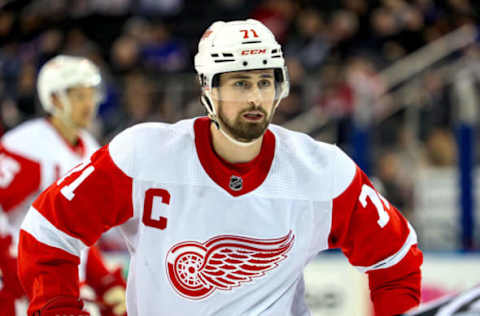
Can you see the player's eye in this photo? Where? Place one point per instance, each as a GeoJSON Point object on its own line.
{"type": "Point", "coordinates": [264, 83]}
{"type": "Point", "coordinates": [241, 84]}
{"type": "Point", "coordinates": [79, 96]}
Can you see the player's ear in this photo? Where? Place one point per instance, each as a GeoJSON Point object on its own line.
{"type": "Point", "coordinates": [56, 101]}
{"type": "Point", "coordinates": [214, 94]}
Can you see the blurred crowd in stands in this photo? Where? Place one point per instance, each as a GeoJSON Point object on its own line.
{"type": "Point", "coordinates": [335, 50]}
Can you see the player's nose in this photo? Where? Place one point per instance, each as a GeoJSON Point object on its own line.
{"type": "Point", "coordinates": [255, 97]}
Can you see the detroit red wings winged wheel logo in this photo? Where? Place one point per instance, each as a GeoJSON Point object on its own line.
{"type": "Point", "coordinates": [197, 269]}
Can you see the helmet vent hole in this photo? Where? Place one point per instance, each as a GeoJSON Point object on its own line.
{"type": "Point", "coordinates": [227, 55]}
{"type": "Point", "coordinates": [251, 42]}
{"type": "Point", "coordinates": [214, 55]}
{"type": "Point", "coordinates": [274, 51]}
{"type": "Point", "coordinates": [264, 61]}
{"type": "Point", "coordinates": [245, 63]}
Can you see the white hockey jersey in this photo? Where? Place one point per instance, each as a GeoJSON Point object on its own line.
{"type": "Point", "coordinates": [32, 156]}
{"type": "Point", "coordinates": [211, 238]}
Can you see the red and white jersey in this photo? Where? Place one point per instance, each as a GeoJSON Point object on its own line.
{"type": "Point", "coordinates": [32, 156]}
{"type": "Point", "coordinates": [211, 238]}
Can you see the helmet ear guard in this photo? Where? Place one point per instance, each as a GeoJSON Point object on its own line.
{"type": "Point", "coordinates": [206, 100]}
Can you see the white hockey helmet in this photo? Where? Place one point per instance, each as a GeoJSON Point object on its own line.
{"type": "Point", "coordinates": [63, 72]}
{"type": "Point", "coordinates": [238, 46]}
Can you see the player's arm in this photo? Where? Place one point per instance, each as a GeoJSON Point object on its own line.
{"type": "Point", "coordinates": [69, 216]}
{"type": "Point", "coordinates": [19, 178]}
{"type": "Point", "coordinates": [10, 288]}
{"type": "Point", "coordinates": [377, 240]}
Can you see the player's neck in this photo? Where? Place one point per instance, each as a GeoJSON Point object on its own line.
{"type": "Point", "coordinates": [232, 152]}
{"type": "Point", "coordinates": [68, 132]}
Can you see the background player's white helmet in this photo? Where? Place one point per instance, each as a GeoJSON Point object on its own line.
{"type": "Point", "coordinates": [238, 46]}
{"type": "Point", "coordinates": [63, 72]}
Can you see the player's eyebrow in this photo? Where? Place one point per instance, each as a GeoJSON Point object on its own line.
{"type": "Point", "coordinates": [241, 76]}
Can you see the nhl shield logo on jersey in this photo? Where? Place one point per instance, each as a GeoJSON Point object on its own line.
{"type": "Point", "coordinates": [196, 270]}
{"type": "Point", "coordinates": [236, 183]}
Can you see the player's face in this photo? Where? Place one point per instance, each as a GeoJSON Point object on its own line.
{"type": "Point", "coordinates": [83, 105]}
{"type": "Point", "coordinates": [245, 102]}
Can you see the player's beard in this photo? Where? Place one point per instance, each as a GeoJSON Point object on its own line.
{"type": "Point", "coordinates": [245, 131]}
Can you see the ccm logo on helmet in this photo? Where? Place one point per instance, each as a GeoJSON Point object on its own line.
{"type": "Point", "coordinates": [254, 51]}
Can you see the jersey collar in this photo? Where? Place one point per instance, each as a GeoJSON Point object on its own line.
{"type": "Point", "coordinates": [78, 149]}
{"type": "Point", "coordinates": [236, 179]}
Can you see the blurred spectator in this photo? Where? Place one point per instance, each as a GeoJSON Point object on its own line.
{"type": "Point", "coordinates": [111, 7]}
{"type": "Point", "coordinates": [163, 52]}
{"type": "Point", "coordinates": [7, 20]}
{"type": "Point", "coordinates": [434, 104]}
{"type": "Point", "coordinates": [49, 45]}
{"type": "Point", "coordinates": [462, 7]}
{"type": "Point", "coordinates": [428, 9]}
{"type": "Point", "coordinates": [367, 88]}
{"type": "Point", "coordinates": [336, 102]}
{"type": "Point", "coordinates": [160, 7]}
{"type": "Point", "coordinates": [124, 55]}
{"type": "Point", "coordinates": [412, 23]}
{"type": "Point", "coordinates": [397, 188]}
{"type": "Point", "coordinates": [277, 15]}
{"type": "Point", "coordinates": [384, 28]}
{"type": "Point", "coordinates": [26, 91]}
{"type": "Point", "coordinates": [309, 44]}
{"type": "Point", "coordinates": [139, 104]}
{"type": "Point", "coordinates": [440, 149]}
{"type": "Point", "coordinates": [77, 43]}
{"type": "Point", "coordinates": [342, 28]}
{"type": "Point", "coordinates": [10, 66]}
{"type": "Point", "coordinates": [138, 28]}
{"type": "Point", "coordinates": [361, 8]}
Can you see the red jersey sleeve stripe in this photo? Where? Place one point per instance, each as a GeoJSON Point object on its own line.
{"type": "Point", "coordinates": [43, 231]}
{"type": "Point", "coordinates": [395, 258]}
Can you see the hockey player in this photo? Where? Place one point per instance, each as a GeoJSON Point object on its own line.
{"type": "Point", "coordinates": [37, 153]}
{"type": "Point", "coordinates": [227, 209]}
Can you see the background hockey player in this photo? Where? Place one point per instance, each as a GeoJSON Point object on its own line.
{"type": "Point", "coordinates": [227, 209]}
{"type": "Point", "coordinates": [38, 152]}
